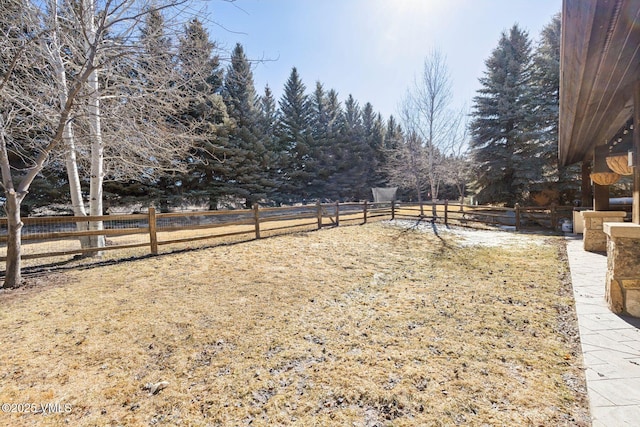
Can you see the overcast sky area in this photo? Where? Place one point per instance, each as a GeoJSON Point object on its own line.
{"type": "Point", "coordinates": [372, 49]}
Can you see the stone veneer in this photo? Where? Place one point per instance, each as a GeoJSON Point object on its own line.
{"type": "Point", "coordinates": [623, 268]}
{"type": "Point", "coordinates": [595, 240]}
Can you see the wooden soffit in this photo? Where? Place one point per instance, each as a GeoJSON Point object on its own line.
{"type": "Point", "coordinates": [599, 64]}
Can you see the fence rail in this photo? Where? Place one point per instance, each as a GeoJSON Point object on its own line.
{"type": "Point", "coordinates": [45, 237]}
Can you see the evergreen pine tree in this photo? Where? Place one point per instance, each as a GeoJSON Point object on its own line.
{"type": "Point", "coordinates": [393, 135]}
{"type": "Point", "coordinates": [157, 45]}
{"type": "Point", "coordinates": [546, 89]}
{"type": "Point", "coordinates": [374, 138]}
{"type": "Point", "coordinates": [319, 118]}
{"type": "Point", "coordinates": [274, 153]}
{"type": "Point", "coordinates": [334, 113]}
{"type": "Point", "coordinates": [318, 121]}
{"type": "Point", "coordinates": [328, 127]}
{"type": "Point", "coordinates": [393, 139]}
{"type": "Point", "coordinates": [503, 149]}
{"type": "Point", "coordinates": [247, 160]}
{"type": "Point", "coordinates": [239, 90]}
{"type": "Point", "coordinates": [268, 113]}
{"type": "Point", "coordinates": [352, 155]}
{"type": "Point", "coordinates": [295, 136]}
{"type": "Point", "coordinates": [325, 109]}
{"type": "Point", "coordinates": [157, 55]}
{"type": "Point", "coordinates": [199, 65]}
{"type": "Point", "coordinates": [377, 177]}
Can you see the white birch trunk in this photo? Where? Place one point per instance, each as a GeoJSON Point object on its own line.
{"type": "Point", "coordinates": [13, 275]}
{"type": "Point", "coordinates": [67, 135]}
{"type": "Point", "coordinates": [75, 190]}
{"type": "Point", "coordinates": [97, 160]}
{"type": "Point", "coordinates": [73, 175]}
{"type": "Point", "coordinates": [97, 148]}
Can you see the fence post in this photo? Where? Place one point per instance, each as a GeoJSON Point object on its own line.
{"type": "Point", "coordinates": [153, 236]}
{"type": "Point", "coordinates": [337, 214]}
{"type": "Point", "coordinates": [319, 206]}
{"type": "Point", "coordinates": [517, 216]}
{"type": "Point", "coordinates": [256, 219]}
{"type": "Point", "coordinates": [393, 210]}
{"type": "Point", "coordinates": [364, 211]}
{"type": "Point", "coordinates": [554, 217]}
{"type": "Point", "coordinates": [446, 212]}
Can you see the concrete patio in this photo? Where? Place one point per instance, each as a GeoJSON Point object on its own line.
{"type": "Point", "coordinates": [610, 343]}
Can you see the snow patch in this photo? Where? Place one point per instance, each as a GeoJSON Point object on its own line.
{"type": "Point", "coordinates": [471, 237]}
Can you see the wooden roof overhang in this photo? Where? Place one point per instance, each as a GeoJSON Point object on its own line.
{"type": "Point", "coordinates": [599, 66]}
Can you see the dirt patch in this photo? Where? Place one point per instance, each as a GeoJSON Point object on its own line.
{"type": "Point", "coordinates": [365, 326]}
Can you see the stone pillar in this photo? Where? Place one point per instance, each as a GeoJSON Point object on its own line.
{"type": "Point", "coordinates": [594, 239]}
{"type": "Point", "coordinates": [623, 268]}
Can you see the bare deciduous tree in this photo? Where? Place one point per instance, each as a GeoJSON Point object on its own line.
{"type": "Point", "coordinates": [457, 166]}
{"type": "Point", "coordinates": [407, 165]}
{"type": "Point", "coordinates": [56, 73]}
{"type": "Point", "coordinates": [53, 48]}
{"type": "Point", "coordinates": [426, 112]}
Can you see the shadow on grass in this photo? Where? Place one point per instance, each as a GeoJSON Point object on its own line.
{"type": "Point", "coordinates": [86, 263]}
{"type": "Point", "coordinates": [434, 227]}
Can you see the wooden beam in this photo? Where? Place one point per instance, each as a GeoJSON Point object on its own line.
{"type": "Point", "coordinates": [616, 52]}
{"type": "Point", "coordinates": [600, 197]}
{"type": "Point", "coordinates": [600, 192]}
{"type": "Point", "coordinates": [586, 193]}
{"type": "Point", "coordinates": [577, 23]}
{"type": "Point", "coordinates": [600, 61]}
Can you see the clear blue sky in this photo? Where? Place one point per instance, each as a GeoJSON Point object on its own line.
{"type": "Point", "coordinates": [372, 49]}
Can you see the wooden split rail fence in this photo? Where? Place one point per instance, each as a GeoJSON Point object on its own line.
{"type": "Point", "coordinates": [162, 228]}
{"type": "Point", "coordinates": [60, 235]}
{"type": "Point", "coordinates": [519, 217]}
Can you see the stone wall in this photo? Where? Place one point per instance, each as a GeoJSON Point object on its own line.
{"type": "Point", "coordinates": [623, 269]}
{"type": "Point", "coordinates": [595, 240]}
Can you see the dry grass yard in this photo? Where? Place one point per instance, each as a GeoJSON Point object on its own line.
{"type": "Point", "coordinates": [369, 325]}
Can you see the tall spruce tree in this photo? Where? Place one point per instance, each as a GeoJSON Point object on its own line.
{"type": "Point", "coordinates": [247, 160]}
{"type": "Point", "coordinates": [200, 67]}
{"type": "Point", "coordinates": [321, 138]}
{"type": "Point", "coordinates": [330, 142]}
{"type": "Point", "coordinates": [268, 114]}
{"type": "Point", "coordinates": [546, 102]}
{"type": "Point", "coordinates": [157, 62]}
{"type": "Point", "coordinates": [502, 145]}
{"type": "Point", "coordinates": [326, 124]}
{"type": "Point", "coordinates": [334, 112]}
{"type": "Point", "coordinates": [319, 118]}
{"type": "Point", "coordinates": [294, 131]}
{"type": "Point", "coordinates": [350, 179]}
{"type": "Point", "coordinates": [374, 131]}
{"type": "Point", "coordinates": [393, 136]}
